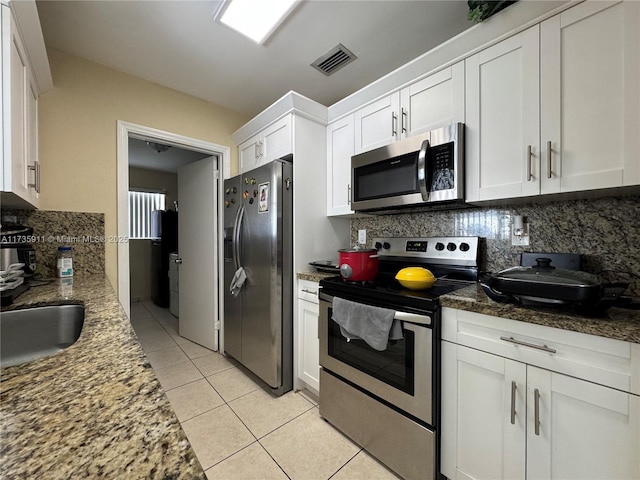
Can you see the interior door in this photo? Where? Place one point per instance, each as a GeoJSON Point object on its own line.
{"type": "Point", "coordinates": [197, 247]}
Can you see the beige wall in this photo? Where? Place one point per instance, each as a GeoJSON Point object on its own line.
{"type": "Point", "coordinates": [155, 180]}
{"type": "Point", "coordinates": [78, 134]}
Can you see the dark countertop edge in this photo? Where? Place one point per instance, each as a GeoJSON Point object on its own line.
{"type": "Point", "coordinates": [617, 324]}
{"type": "Point", "coordinates": [48, 384]}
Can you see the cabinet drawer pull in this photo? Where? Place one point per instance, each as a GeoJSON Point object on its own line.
{"type": "Point", "coordinates": [549, 159]}
{"type": "Point", "coordinates": [536, 411]}
{"type": "Point", "coordinates": [529, 154]}
{"type": "Point", "coordinates": [394, 124]}
{"type": "Point", "coordinates": [514, 387]}
{"type": "Point", "coordinates": [349, 194]}
{"type": "Point", "coordinates": [544, 348]}
{"type": "Point", "coordinates": [402, 121]}
{"type": "Point", "coordinates": [313, 292]}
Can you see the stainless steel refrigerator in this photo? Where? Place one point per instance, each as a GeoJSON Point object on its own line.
{"type": "Point", "coordinates": [258, 272]}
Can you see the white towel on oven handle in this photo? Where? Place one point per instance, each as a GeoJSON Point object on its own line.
{"type": "Point", "coordinates": [375, 325]}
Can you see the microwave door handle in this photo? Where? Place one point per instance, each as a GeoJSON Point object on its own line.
{"type": "Point", "coordinates": [423, 179]}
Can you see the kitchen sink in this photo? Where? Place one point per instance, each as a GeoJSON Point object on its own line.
{"type": "Point", "coordinates": [38, 332]}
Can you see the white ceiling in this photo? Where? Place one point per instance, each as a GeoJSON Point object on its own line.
{"type": "Point", "coordinates": [143, 156]}
{"type": "Point", "coordinates": [177, 44]}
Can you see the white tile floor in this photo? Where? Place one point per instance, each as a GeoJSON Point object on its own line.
{"type": "Point", "coordinates": [238, 430]}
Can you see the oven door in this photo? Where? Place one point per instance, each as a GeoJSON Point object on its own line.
{"type": "Point", "coordinates": [401, 375]}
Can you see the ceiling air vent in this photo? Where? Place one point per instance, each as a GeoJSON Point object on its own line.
{"type": "Point", "coordinates": [334, 60]}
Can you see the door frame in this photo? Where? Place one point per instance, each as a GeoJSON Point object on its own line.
{"type": "Point", "coordinates": [128, 130]}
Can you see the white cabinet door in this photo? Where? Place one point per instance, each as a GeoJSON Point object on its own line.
{"type": "Point", "coordinates": [31, 133]}
{"type": "Point", "coordinates": [340, 143]}
{"type": "Point", "coordinates": [249, 152]}
{"type": "Point", "coordinates": [502, 119]}
{"type": "Point", "coordinates": [585, 431]}
{"type": "Point", "coordinates": [377, 125]}
{"type": "Point", "coordinates": [433, 102]}
{"type": "Point", "coordinates": [277, 140]}
{"type": "Point", "coordinates": [481, 438]}
{"type": "Point", "coordinates": [309, 358]}
{"type": "Point", "coordinates": [590, 56]}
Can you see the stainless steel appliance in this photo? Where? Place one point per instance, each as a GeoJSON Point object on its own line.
{"type": "Point", "coordinates": [388, 401]}
{"type": "Point", "coordinates": [423, 170]}
{"type": "Point", "coordinates": [258, 272]}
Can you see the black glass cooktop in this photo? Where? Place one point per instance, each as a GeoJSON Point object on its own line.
{"type": "Point", "coordinates": [388, 293]}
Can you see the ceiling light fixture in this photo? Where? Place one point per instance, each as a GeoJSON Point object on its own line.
{"type": "Point", "coordinates": [158, 147]}
{"type": "Point", "coordinates": [256, 19]}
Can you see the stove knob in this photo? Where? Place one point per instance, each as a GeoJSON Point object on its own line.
{"type": "Point", "coordinates": [227, 191]}
{"type": "Point", "coordinates": [378, 245]}
{"type": "Point", "coordinates": [451, 246]}
{"type": "Point", "coordinates": [439, 246]}
{"type": "Point", "coordinates": [386, 245]}
{"type": "Point", "coordinates": [464, 247]}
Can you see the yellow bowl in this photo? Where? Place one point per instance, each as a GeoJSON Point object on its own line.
{"type": "Point", "coordinates": [415, 278]}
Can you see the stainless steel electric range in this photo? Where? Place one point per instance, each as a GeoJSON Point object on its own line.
{"type": "Point", "coordinates": [389, 401]}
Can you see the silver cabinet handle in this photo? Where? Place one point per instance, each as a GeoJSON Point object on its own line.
{"type": "Point", "coordinates": [403, 127]}
{"type": "Point", "coordinates": [544, 348]}
{"type": "Point", "coordinates": [529, 154]}
{"type": "Point", "coordinates": [255, 149]}
{"type": "Point", "coordinates": [536, 411]}
{"type": "Point", "coordinates": [306, 290]}
{"type": "Point", "coordinates": [349, 194]}
{"type": "Point", "coordinates": [178, 260]}
{"type": "Point", "coordinates": [514, 387]}
{"type": "Point", "coordinates": [36, 176]}
{"type": "Point", "coordinates": [549, 159]}
{"type": "Point", "coordinates": [394, 123]}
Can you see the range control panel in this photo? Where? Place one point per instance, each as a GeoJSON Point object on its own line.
{"type": "Point", "coordinates": [452, 250]}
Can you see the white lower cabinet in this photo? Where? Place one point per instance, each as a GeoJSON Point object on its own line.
{"type": "Point", "coordinates": [504, 419]}
{"type": "Point", "coordinates": [308, 343]}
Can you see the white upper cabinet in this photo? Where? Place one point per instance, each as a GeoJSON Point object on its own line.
{"type": "Point", "coordinates": [376, 125]}
{"type": "Point", "coordinates": [555, 108]}
{"type": "Point", "coordinates": [503, 119]}
{"type": "Point", "coordinates": [275, 141]}
{"type": "Point", "coordinates": [340, 149]}
{"type": "Point", "coordinates": [590, 85]}
{"type": "Point", "coordinates": [432, 102]}
{"type": "Point", "coordinates": [20, 167]}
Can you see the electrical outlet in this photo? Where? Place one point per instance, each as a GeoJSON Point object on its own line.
{"type": "Point", "coordinates": [362, 237]}
{"type": "Point", "coordinates": [522, 240]}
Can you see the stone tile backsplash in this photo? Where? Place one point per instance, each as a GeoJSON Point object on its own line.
{"type": "Point", "coordinates": [605, 231]}
{"type": "Point", "coordinates": [84, 232]}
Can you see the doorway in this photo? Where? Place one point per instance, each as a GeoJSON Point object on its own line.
{"type": "Point", "coordinates": [219, 158]}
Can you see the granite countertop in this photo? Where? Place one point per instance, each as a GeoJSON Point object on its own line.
{"type": "Point", "coordinates": [94, 410]}
{"type": "Point", "coordinates": [314, 276]}
{"type": "Point", "coordinates": [618, 323]}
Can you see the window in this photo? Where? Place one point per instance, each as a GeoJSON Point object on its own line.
{"type": "Point", "coordinates": [141, 204]}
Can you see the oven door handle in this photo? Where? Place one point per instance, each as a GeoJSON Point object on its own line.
{"type": "Point", "coordinates": [422, 170]}
{"type": "Point", "coordinates": [420, 319]}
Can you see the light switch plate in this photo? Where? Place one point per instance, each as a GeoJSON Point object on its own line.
{"type": "Point", "coordinates": [362, 237]}
{"type": "Point", "coordinates": [523, 240]}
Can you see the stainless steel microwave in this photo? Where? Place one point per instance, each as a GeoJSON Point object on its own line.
{"type": "Point", "coordinates": [421, 170]}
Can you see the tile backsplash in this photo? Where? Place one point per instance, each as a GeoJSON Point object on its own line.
{"type": "Point", "coordinates": [605, 231]}
{"type": "Point", "coordinates": [84, 232]}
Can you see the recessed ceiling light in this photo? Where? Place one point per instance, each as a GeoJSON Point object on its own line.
{"type": "Point", "coordinates": [255, 19]}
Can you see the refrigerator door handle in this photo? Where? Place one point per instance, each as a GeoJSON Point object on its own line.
{"type": "Point", "coordinates": [236, 237]}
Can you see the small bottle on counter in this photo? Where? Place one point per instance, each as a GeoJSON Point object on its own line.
{"type": "Point", "coordinates": [65, 262]}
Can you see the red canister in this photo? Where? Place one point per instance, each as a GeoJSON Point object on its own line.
{"type": "Point", "coordinates": [358, 264]}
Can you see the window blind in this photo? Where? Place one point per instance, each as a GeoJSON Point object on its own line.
{"type": "Point", "coordinates": [141, 204]}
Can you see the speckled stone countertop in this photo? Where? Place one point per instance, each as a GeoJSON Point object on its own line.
{"type": "Point", "coordinates": [95, 410]}
{"type": "Point", "coordinates": [314, 276]}
{"type": "Point", "coordinates": [618, 323]}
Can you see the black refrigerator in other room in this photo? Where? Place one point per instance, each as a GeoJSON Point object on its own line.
{"type": "Point", "coordinates": [164, 232]}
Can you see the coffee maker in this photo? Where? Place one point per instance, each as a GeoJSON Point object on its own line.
{"type": "Point", "coordinates": [17, 261]}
